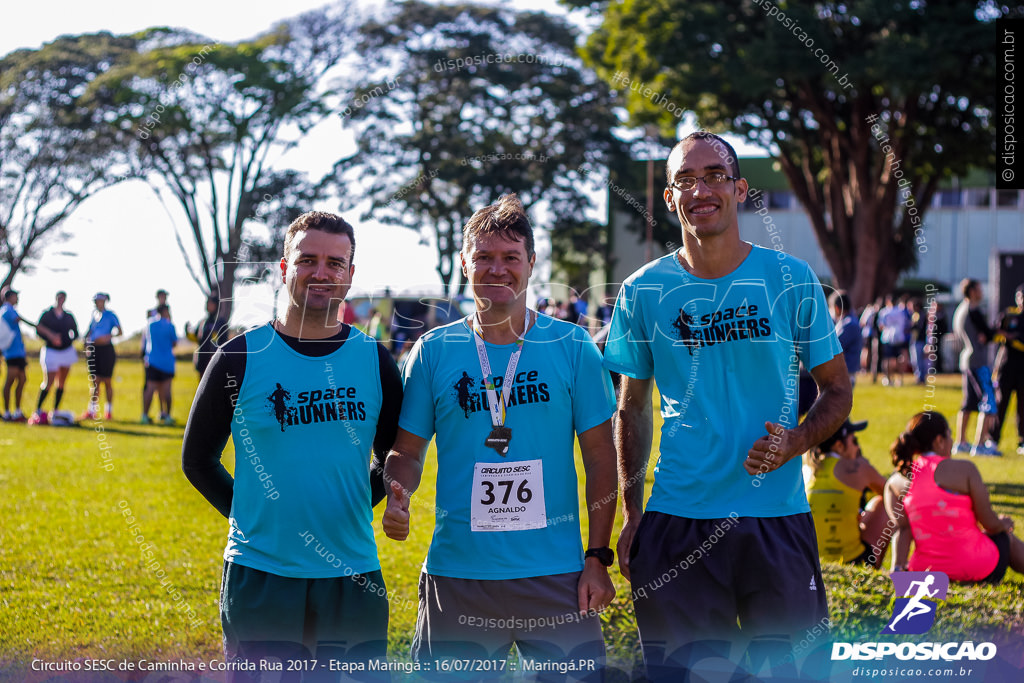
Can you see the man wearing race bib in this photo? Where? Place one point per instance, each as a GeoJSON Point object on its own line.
{"type": "Point", "coordinates": [506, 391]}
{"type": "Point", "coordinates": [722, 327]}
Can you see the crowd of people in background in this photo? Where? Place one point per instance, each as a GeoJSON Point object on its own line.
{"type": "Point", "coordinates": [858, 512]}
{"type": "Point", "coordinates": [59, 332]}
{"type": "Point", "coordinates": [894, 336]}
{"type": "Point", "coordinates": [903, 335]}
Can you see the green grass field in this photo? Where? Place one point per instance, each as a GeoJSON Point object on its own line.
{"type": "Point", "coordinates": [74, 582]}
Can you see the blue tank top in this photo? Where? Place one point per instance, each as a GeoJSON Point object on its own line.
{"type": "Point", "coordinates": [303, 430]}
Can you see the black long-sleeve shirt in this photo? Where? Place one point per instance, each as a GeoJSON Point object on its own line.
{"type": "Point", "coordinates": [209, 422]}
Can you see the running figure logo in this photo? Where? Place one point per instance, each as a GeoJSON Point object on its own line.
{"type": "Point", "coordinates": [914, 612]}
{"type": "Point", "coordinates": [684, 329]}
{"type": "Point", "coordinates": [281, 410]}
{"type": "Point", "coordinates": [464, 392]}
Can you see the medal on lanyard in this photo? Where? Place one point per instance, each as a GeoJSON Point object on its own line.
{"type": "Point", "coordinates": [500, 436]}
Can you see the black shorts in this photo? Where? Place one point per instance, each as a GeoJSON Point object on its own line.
{"type": "Point", "coordinates": [100, 360]}
{"type": "Point", "coordinates": [154, 375]}
{"type": "Point", "coordinates": [692, 580]}
{"type": "Point", "coordinates": [1002, 541]}
{"type": "Point", "coordinates": [266, 616]}
{"type": "Point", "coordinates": [894, 350]}
{"type": "Point", "coordinates": [19, 362]}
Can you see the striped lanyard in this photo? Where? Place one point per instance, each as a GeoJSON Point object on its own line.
{"type": "Point", "coordinates": [497, 406]}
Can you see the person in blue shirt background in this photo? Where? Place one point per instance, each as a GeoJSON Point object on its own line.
{"type": "Point", "coordinates": [160, 342]}
{"type": "Point", "coordinates": [100, 356]}
{"type": "Point", "coordinates": [15, 357]}
{"type": "Point", "coordinates": [848, 332]}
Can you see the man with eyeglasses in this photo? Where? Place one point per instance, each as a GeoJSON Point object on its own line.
{"type": "Point", "coordinates": [721, 325]}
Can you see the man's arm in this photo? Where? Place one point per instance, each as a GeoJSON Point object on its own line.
{"type": "Point", "coordinates": [595, 589]}
{"type": "Point", "coordinates": [634, 433]}
{"type": "Point", "coordinates": [209, 426]}
{"type": "Point", "coordinates": [779, 445]}
{"type": "Point", "coordinates": [387, 421]}
{"type": "Point", "coordinates": [402, 472]}
{"type": "Point", "coordinates": [45, 331]}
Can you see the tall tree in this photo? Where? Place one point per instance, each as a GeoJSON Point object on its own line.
{"type": "Point", "coordinates": [867, 105]}
{"type": "Point", "coordinates": [465, 103]}
{"type": "Point", "coordinates": [208, 121]}
{"type": "Point", "coordinates": [53, 156]}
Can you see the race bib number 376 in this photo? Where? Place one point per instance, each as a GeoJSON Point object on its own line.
{"type": "Point", "coordinates": [508, 496]}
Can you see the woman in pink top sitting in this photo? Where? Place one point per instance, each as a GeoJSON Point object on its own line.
{"type": "Point", "coordinates": [938, 502]}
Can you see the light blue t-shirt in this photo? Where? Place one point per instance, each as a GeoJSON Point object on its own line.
{"type": "Point", "coordinates": [9, 315]}
{"type": "Point", "coordinates": [725, 356]}
{"type": "Point", "coordinates": [101, 324]}
{"type": "Point", "coordinates": [559, 390]}
{"type": "Point", "coordinates": [160, 341]}
{"type": "Point", "coordinates": [303, 429]}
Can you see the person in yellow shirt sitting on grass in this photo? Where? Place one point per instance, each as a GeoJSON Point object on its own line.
{"type": "Point", "coordinates": [836, 476]}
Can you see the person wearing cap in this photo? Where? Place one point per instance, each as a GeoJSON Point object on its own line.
{"type": "Point", "coordinates": [160, 340]}
{"type": "Point", "coordinates": [14, 355]}
{"type": "Point", "coordinates": [100, 356]}
{"type": "Point", "coordinates": [836, 476]}
{"type": "Point", "coordinates": [208, 335]}
{"type": "Point", "coordinates": [58, 329]}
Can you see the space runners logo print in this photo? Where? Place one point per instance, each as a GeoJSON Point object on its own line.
{"type": "Point", "coordinates": [724, 325]}
{"type": "Point", "coordinates": [332, 404]}
{"type": "Point", "coordinates": [917, 596]}
{"type": "Point", "coordinates": [471, 393]}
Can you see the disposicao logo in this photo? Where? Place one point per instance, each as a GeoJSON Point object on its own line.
{"type": "Point", "coordinates": [917, 597]}
{"type": "Point", "coordinates": [914, 612]}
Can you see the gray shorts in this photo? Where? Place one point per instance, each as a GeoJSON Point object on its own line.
{"type": "Point", "coordinates": [475, 622]}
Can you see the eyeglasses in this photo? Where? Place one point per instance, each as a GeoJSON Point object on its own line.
{"type": "Point", "coordinates": [713, 179]}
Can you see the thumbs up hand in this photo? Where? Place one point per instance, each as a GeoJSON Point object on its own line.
{"type": "Point", "coordinates": [396, 515]}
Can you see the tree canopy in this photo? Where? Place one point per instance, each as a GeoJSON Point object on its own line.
{"type": "Point", "coordinates": [53, 155]}
{"type": "Point", "coordinates": [459, 104]}
{"type": "Point", "coordinates": [867, 105]}
{"type": "Point", "coordinates": [206, 122]}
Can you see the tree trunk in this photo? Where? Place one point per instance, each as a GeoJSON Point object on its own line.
{"type": "Point", "coordinates": [226, 287]}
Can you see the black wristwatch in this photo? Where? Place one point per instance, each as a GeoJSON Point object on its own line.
{"type": "Point", "coordinates": [604, 555]}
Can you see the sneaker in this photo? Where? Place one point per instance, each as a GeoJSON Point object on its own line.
{"type": "Point", "coordinates": [993, 447]}
{"type": "Point", "coordinates": [39, 418]}
{"type": "Point", "coordinates": [88, 415]}
{"type": "Point", "coordinates": [962, 447]}
{"type": "Point", "coordinates": [988, 448]}
{"type": "Point", "coordinates": [62, 418]}
{"type": "Point", "coordinates": [18, 417]}
{"type": "Point", "coordinates": [108, 416]}
{"type": "Point", "coordinates": [168, 420]}
{"type": "Point", "coordinates": [146, 420]}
